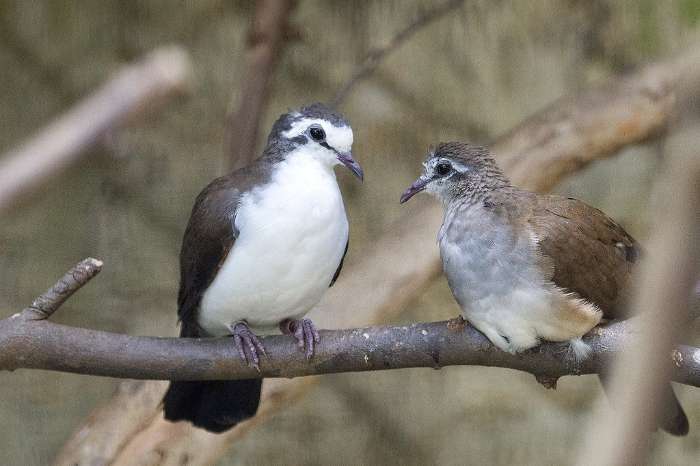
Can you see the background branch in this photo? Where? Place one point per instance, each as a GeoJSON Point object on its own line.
{"type": "Point", "coordinates": [577, 130]}
{"type": "Point", "coordinates": [133, 89]}
{"type": "Point", "coordinates": [641, 372]}
{"type": "Point", "coordinates": [265, 41]}
{"type": "Point", "coordinates": [47, 303]}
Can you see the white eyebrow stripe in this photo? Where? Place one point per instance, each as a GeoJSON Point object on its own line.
{"type": "Point", "coordinates": [338, 137]}
{"type": "Point", "coordinates": [461, 167]}
{"type": "Point", "coordinates": [299, 126]}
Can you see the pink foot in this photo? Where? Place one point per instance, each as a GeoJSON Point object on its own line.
{"type": "Point", "coordinates": [248, 344]}
{"type": "Point", "coordinates": [304, 331]}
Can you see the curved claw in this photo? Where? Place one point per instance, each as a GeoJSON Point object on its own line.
{"type": "Point", "coordinates": [248, 345]}
{"type": "Point", "coordinates": [305, 333]}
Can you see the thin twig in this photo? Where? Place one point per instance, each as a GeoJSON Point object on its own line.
{"type": "Point", "coordinates": [48, 302]}
{"type": "Point", "coordinates": [375, 57]}
{"type": "Point", "coordinates": [134, 89]}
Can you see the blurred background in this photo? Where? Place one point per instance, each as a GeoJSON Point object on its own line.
{"type": "Point", "coordinates": [470, 75]}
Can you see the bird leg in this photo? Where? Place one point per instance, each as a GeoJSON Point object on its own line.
{"type": "Point", "coordinates": [304, 331]}
{"type": "Point", "coordinates": [248, 344]}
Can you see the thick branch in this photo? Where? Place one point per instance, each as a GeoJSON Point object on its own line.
{"type": "Point", "coordinates": [45, 345]}
{"type": "Point", "coordinates": [265, 41]}
{"type": "Point", "coordinates": [375, 57]}
{"type": "Point", "coordinates": [575, 131]}
{"type": "Point", "coordinates": [134, 89]}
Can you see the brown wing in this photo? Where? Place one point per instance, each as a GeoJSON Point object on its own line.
{"type": "Point", "coordinates": [209, 237]}
{"type": "Point", "coordinates": [587, 251]}
{"type": "Point", "coordinates": [340, 266]}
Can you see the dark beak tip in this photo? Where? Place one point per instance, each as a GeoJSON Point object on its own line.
{"type": "Point", "coordinates": [415, 188]}
{"type": "Point", "coordinates": [352, 165]}
{"type": "Point", "coordinates": [408, 194]}
{"type": "Point", "coordinates": [357, 171]}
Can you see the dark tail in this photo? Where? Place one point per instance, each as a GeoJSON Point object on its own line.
{"type": "Point", "coordinates": [214, 405]}
{"type": "Point", "coordinates": [672, 418]}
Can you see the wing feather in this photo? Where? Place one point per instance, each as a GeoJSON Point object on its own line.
{"type": "Point", "coordinates": [585, 250]}
{"type": "Point", "coordinates": [340, 266]}
{"type": "Point", "coordinates": [209, 237]}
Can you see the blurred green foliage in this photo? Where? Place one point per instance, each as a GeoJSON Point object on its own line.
{"type": "Point", "coordinates": [690, 11]}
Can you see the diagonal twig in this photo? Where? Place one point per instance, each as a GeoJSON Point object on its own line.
{"type": "Point", "coordinates": [48, 302]}
{"type": "Point", "coordinates": [375, 57]}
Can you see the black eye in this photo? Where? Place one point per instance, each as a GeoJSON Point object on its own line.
{"type": "Point", "coordinates": [443, 168]}
{"type": "Point", "coordinates": [317, 133]}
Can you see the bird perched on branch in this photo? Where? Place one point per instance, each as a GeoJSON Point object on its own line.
{"type": "Point", "coordinates": [527, 267]}
{"type": "Point", "coordinates": [262, 246]}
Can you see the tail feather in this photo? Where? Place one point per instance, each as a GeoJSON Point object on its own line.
{"type": "Point", "coordinates": [580, 349]}
{"type": "Point", "coordinates": [214, 405]}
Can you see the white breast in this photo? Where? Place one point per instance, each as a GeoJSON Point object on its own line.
{"type": "Point", "coordinates": [292, 237]}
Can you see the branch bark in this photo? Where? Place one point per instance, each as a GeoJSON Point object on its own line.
{"type": "Point", "coordinates": [401, 263]}
{"type": "Point", "coordinates": [135, 88]}
{"type": "Point", "coordinates": [265, 41]}
{"type": "Point", "coordinates": [28, 343]}
{"type": "Point", "coordinates": [49, 302]}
